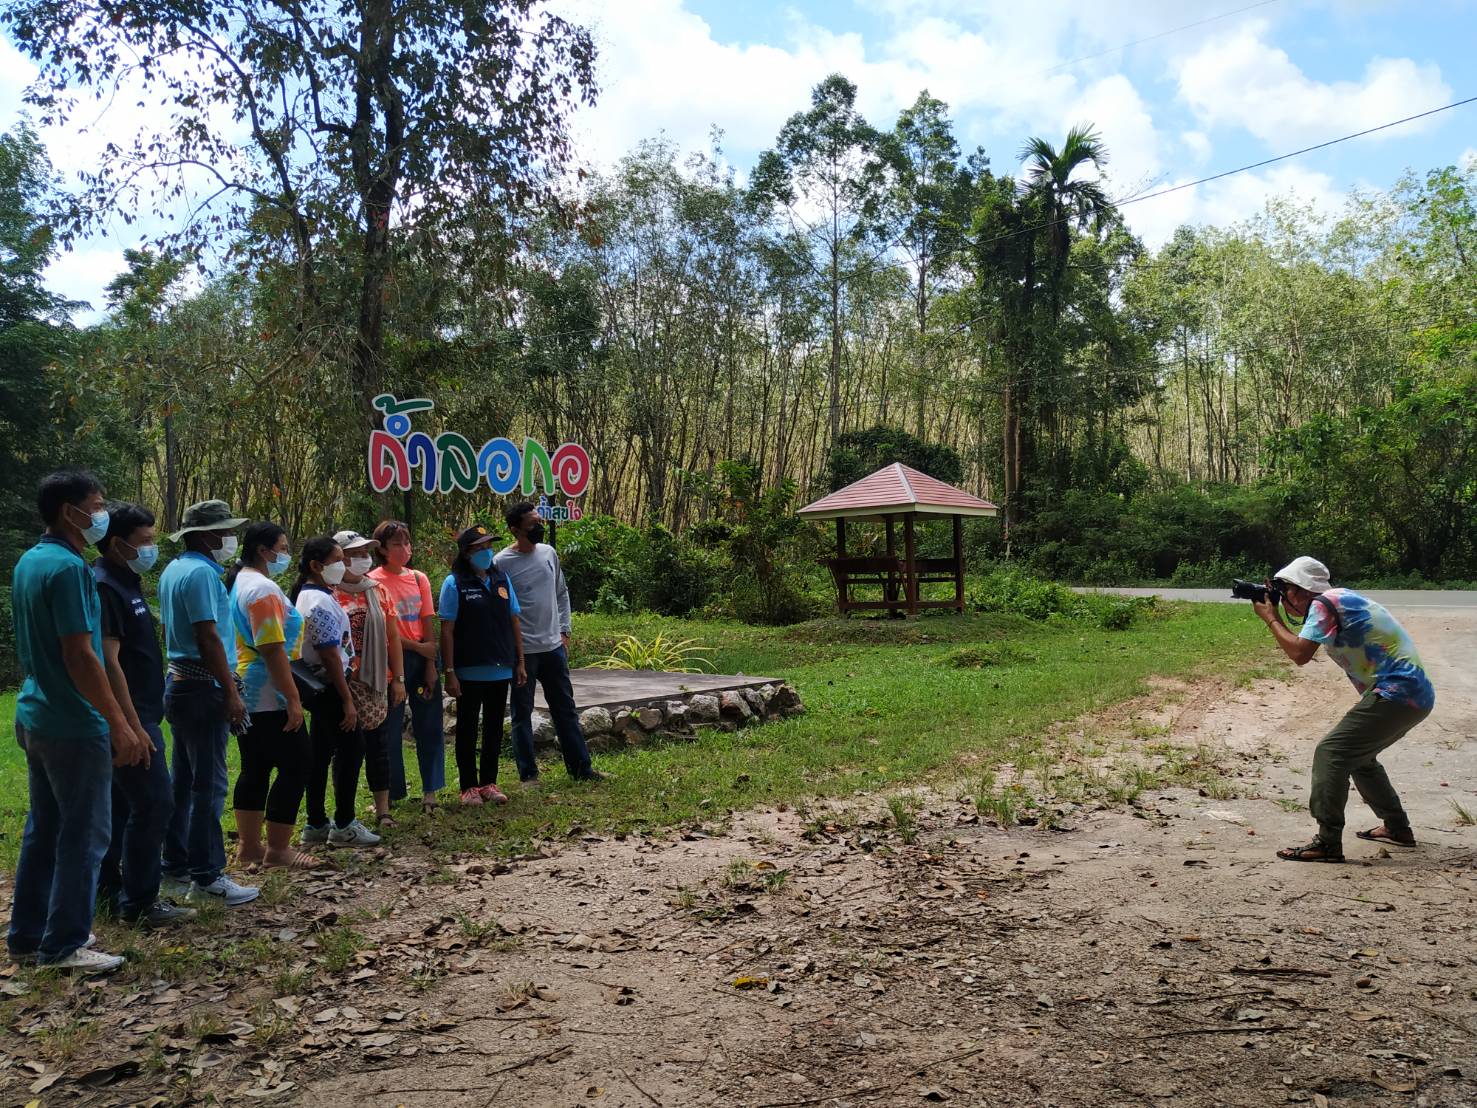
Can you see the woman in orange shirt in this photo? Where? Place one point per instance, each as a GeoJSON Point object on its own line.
{"type": "Point", "coordinates": [410, 592]}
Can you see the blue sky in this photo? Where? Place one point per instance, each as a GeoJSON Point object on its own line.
{"type": "Point", "coordinates": [1192, 101]}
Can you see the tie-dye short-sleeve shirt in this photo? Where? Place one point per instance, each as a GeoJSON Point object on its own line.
{"type": "Point", "coordinates": [1370, 646]}
{"type": "Point", "coordinates": [262, 615]}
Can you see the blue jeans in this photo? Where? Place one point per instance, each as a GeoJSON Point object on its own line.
{"type": "Point", "coordinates": [143, 801]}
{"type": "Point", "coordinates": [425, 725]}
{"type": "Point", "coordinates": [71, 784]}
{"type": "Point", "coordinates": [194, 846]}
{"type": "Point", "coordinates": [550, 669]}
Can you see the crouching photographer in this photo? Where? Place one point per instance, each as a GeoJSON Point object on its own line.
{"type": "Point", "coordinates": [1377, 654]}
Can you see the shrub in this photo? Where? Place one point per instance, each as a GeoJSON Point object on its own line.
{"type": "Point", "coordinates": [613, 567]}
{"type": "Point", "coordinates": [661, 653]}
{"type": "Point", "coordinates": [1010, 590]}
{"type": "Point", "coordinates": [597, 554]}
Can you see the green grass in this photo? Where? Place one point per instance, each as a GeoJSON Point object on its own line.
{"type": "Point", "coordinates": [886, 704]}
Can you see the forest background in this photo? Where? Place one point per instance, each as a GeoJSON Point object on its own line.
{"type": "Point", "coordinates": [404, 219]}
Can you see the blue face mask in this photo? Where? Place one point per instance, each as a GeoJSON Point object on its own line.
{"type": "Point", "coordinates": [480, 559]}
{"type": "Point", "coordinates": [278, 564]}
{"type": "Point", "coordinates": [143, 559]}
{"type": "Point", "coordinates": [98, 526]}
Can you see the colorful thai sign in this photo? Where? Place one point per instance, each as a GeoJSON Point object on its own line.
{"type": "Point", "coordinates": [450, 462]}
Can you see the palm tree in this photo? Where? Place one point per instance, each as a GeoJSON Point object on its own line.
{"type": "Point", "coordinates": [1061, 203]}
{"type": "Point", "coordinates": [1065, 203]}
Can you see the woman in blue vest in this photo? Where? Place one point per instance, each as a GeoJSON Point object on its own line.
{"type": "Point", "coordinates": [482, 654]}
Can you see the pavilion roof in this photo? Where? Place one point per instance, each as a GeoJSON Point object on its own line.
{"type": "Point", "coordinates": [894, 490]}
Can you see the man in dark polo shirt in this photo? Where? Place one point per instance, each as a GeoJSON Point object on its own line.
{"type": "Point", "coordinates": [143, 798]}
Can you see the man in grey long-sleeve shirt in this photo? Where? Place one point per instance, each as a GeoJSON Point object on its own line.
{"type": "Point", "coordinates": [543, 600]}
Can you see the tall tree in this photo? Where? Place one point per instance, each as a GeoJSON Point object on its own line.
{"type": "Point", "coordinates": [1068, 201]}
{"type": "Point", "coordinates": [1056, 202]}
{"type": "Point", "coordinates": [336, 119]}
{"type": "Point", "coordinates": [822, 175]}
{"type": "Point", "coordinates": [926, 212]}
{"type": "Point", "coordinates": [33, 332]}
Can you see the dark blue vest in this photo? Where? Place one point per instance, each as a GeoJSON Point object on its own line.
{"type": "Point", "coordinates": [127, 617]}
{"type": "Point", "coordinates": [483, 635]}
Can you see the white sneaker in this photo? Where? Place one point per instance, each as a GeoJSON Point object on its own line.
{"type": "Point", "coordinates": [356, 834]}
{"type": "Point", "coordinates": [225, 890]}
{"type": "Point", "coordinates": [87, 960]}
{"type": "Point", "coordinates": [314, 836]}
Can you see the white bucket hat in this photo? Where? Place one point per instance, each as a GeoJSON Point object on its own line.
{"type": "Point", "coordinates": [1305, 572]}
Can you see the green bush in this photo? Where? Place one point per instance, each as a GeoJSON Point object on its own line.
{"type": "Point", "coordinates": [1011, 590]}
{"type": "Point", "coordinates": [612, 567]}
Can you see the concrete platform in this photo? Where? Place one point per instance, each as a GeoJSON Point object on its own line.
{"type": "Point", "coordinates": [607, 688]}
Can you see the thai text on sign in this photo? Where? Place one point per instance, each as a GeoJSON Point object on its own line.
{"type": "Point", "coordinates": [449, 462]}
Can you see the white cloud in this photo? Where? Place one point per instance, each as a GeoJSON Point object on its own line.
{"type": "Point", "coordinates": [1231, 200]}
{"type": "Point", "coordinates": [1243, 81]}
{"type": "Point", "coordinates": [1198, 145]}
{"type": "Point", "coordinates": [82, 274]}
{"type": "Point", "coordinates": [16, 72]}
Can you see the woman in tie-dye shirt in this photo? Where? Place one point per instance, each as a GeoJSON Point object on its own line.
{"type": "Point", "coordinates": [269, 634]}
{"type": "Point", "coordinates": [1370, 646]}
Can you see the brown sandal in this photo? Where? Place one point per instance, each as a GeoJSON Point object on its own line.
{"type": "Point", "coordinates": [1383, 834]}
{"type": "Point", "coordinates": [300, 862]}
{"type": "Point", "coordinates": [1312, 852]}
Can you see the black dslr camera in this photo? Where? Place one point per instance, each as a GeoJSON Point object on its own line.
{"type": "Point", "coordinates": [1250, 590]}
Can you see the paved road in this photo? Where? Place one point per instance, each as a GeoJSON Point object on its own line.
{"type": "Point", "coordinates": [1394, 599]}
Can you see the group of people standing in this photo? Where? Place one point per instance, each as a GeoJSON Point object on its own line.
{"type": "Point", "coordinates": [314, 682]}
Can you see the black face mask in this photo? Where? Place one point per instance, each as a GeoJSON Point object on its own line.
{"type": "Point", "coordinates": [535, 533]}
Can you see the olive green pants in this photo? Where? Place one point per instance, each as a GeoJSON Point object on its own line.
{"type": "Point", "coordinates": [1349, 752]}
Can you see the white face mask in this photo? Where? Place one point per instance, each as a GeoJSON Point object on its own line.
{"type": "Point", "coordinates": [333, 573]}
{"type": "Point", "coordinates": [229, 546]}
{"type": "Point", "coordinates": [360, 566]}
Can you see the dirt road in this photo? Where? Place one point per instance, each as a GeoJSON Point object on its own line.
{"type": "Point", "coordinates": [1157, 953]}
{"type": "Point", "coordinates": [1148, 949]}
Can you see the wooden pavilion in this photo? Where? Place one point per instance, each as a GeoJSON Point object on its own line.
{"type": "Point", "coordinates": [897, 492]}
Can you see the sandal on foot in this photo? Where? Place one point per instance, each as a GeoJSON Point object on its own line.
{"type": "Point", "coordinates": [1312, 852]}
{"type": "Point", "coordinates": [1383, 834]}
{"type": "Point", "coordinates": [297, 860]}
{"type": "Point", "coordinates": [428, 807]}
{"type": "Point", "coordinates": [384, 819]}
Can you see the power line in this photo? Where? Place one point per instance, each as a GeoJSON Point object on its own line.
{"type": "Point", "coordinates": [1123, 371]}
{"type": "Point", "coordinates": [521, 338]}
{"type": "Point", "coordinates": [1298, 153]}
{"type": "Point", "coordinates": [1152, 38]}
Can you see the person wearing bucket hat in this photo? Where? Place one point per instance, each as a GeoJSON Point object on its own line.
{"type": "Point", "coordinates": [482, 652]}
{"type": "Point", "coordinates": [1380, 660]}
{"type": "Point", "coordinates": [202, 701]}
{"type": "Point", "coordinates": [375, 682]}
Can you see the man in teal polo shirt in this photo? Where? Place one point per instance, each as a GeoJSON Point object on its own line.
{"type": "Point", "coordinates": [201, 701]}
{"type": "Point", "coordinates": [72, 730]}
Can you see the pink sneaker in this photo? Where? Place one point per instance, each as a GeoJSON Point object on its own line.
{"type": "Point", "coordinates": [471, 797]}
{"type": "Point", "coordinates": [493, 795]}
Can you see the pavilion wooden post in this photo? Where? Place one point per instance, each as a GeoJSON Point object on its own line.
{"type": "Point", "coordinates": [843, 583]}
{"type": "Point", "coordinates": [889, 592]}
{"type": "Point", "coordinates": [910, 569]}
{"type": "Point", "coordinates": [959, 564]}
